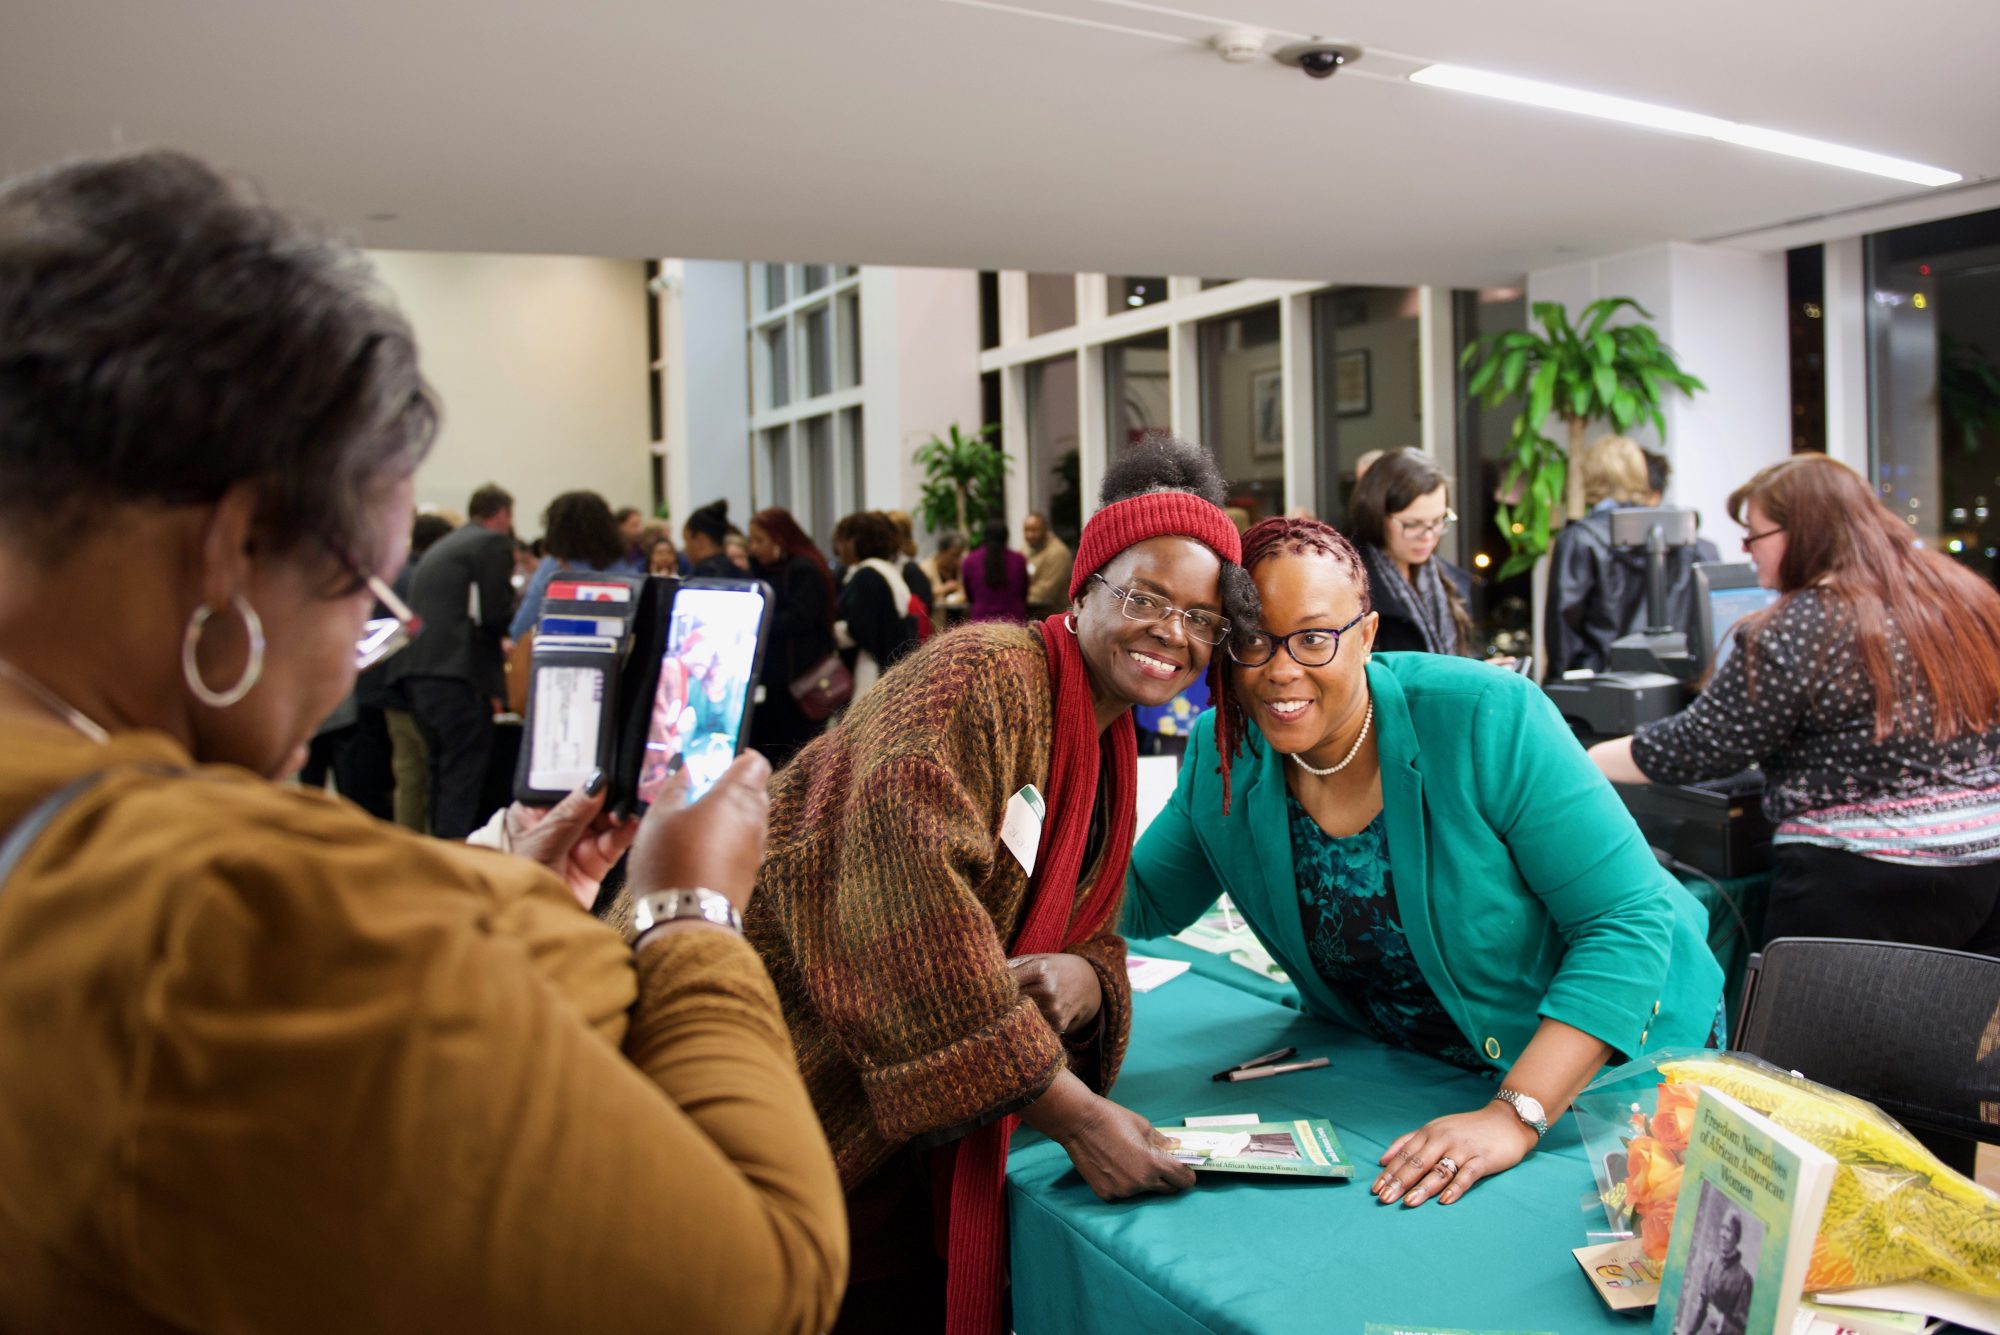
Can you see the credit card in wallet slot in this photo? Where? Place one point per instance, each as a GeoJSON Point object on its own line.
{"type": "Point", "coordinates": [584, 592]}
{"type": "Point", "coordinates": [588, 644]}
{"type": "Point", "coordinates": [612, 627]}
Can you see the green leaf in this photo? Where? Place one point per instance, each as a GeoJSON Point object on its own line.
{"type": "Point", "coordinates": [1482, 377]}
{"type": "Point", "coordinates": [1605, 380]}
{"type": "Point", "coordinates": [1607, 348]}
{"type": "Point", "coordinates": [1541, 393]}
{"type": "Point", "coordinates": [1624, 409]}
{"type": "Point", "coordinates": [1579, 399]}
{"type": "Point", "coordinates": [1510, 371]}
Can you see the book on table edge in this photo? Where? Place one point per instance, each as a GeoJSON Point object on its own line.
{"type": "Point", "coordinates": [1741, 1166]}
{"type": "Point", "coordinates": [1305, 1147]}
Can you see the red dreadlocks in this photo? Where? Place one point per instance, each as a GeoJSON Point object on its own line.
{"type": "Point", "coordinates": [1276, 537]}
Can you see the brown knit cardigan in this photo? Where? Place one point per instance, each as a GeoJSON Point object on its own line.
{"type": "Point", "coordinates": [887, 903]}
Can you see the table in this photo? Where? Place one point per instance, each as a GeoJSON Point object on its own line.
{"type": "Point", "coordinates": [1273, 1256]}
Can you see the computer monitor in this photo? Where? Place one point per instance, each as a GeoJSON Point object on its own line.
{"type": "Point", "coordinates": [1725, 593]}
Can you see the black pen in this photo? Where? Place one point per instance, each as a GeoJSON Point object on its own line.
{"type": "Point", "coordinates": [1264, 1060]}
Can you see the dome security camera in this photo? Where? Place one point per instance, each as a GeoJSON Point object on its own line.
{"type": "Point", "coordinates": [1319, 58]}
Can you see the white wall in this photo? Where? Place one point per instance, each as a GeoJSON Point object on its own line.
{"type": "Point", "coordinates": [934, 382]}
{"type": "Point", "coordinates": [716, 370]}
{"type": "Point", "coordinates": [541, 365]}
{"type": "Point", "coordinates": [1723, 313]}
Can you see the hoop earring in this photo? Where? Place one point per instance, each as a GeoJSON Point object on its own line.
{"type": "Point", "coordinates": [252, 670]}
{"type": "Point", "coordinates": [1069, 622]}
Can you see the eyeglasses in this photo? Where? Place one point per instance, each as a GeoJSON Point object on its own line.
{"type": "Point", "coordinates": [380, 636]}
{"type": "Point", "coordinates": [1752, 539]}
{"type": "Point", "coordinates": [1145, 607]}
{"type": "Point", "coordinates": [1426, 528]}
{"type": "Point", "coordinates": [1315, 646]}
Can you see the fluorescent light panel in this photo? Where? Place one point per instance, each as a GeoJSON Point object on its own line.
{"type": "Point", "coordinates": [1652, 117]}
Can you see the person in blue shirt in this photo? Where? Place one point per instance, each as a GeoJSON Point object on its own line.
{"type": "Point", "coordinates": [580, 536]}
{"type": "Point", "coordinates": [1421, 843]}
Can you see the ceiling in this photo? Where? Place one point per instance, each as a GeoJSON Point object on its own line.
{"type": "Point", "coordinates": [948, 133]}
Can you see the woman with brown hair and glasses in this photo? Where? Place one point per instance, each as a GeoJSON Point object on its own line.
{"type": "Point", "coordinates": [1869, 694]}
{"type": "Point", "coordinates": [270, 1064]}
{"type": "Point", "coordinates": [1400, 512]}
{"type": "Point", "coordinates": [1422, 845]}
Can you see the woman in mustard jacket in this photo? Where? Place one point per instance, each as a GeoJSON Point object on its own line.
{"type": "Point", "coordinates": [1424, 847]}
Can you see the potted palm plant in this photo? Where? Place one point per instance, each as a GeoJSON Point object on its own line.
{"type": "Point", "coordinates": [1581, 372]}
{"type": "Point", "coordinates": [964, 477]}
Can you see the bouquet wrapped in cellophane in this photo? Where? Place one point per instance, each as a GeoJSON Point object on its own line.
{"type": "Point", "coordinates": [1895, 1212]}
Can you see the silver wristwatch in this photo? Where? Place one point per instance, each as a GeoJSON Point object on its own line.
{"type": "Point", "coordinates": [1526, 1107]}
{"type": "Point", "coordinates": [664, 906]}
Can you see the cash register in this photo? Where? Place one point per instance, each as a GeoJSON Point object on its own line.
{"type": "Point", "coordinates": [1717, 827]}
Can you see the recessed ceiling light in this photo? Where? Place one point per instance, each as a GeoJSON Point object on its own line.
{"type": "Point", "coordinates": [1653, 117]}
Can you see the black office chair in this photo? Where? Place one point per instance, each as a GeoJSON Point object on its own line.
{"type": "Point", "coordinates": [1915, 1030]}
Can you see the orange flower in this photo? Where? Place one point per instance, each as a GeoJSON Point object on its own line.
{"type": "Point", "coordinates": [1654, 1228]}
{"type": "Point", "coordinates": [1673, 1123]}
{"type": "Point", "coordinates": [1652, 1176]}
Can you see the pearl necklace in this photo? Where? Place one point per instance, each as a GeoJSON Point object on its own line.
{"type": "Point", "coordinates": [55, 704]}
{"type": "Point", "coordinates": [1352, 751]}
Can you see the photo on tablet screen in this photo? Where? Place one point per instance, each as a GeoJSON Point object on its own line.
{"type": "Point", "coordinates": [706, 677]}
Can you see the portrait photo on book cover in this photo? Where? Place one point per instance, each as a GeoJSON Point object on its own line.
{"type": "Point", "coordinates": [1721, 1267]}
{"type": "Point", "coordinates": [1272, 1145]}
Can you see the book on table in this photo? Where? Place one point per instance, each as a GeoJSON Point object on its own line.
{"type": "Point", "coordinates": [1749, 1206]}
{"type": "Point", "coordinates": [1307, 1147]}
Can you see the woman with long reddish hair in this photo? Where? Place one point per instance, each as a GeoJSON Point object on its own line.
{"type": "Point", "coordinates": [801, 629]}
{"type": "Point", "coordinates": [1869, 694]}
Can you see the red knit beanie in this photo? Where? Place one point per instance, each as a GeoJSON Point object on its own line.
{"type": "Point", "coordinates": [1156, 514]}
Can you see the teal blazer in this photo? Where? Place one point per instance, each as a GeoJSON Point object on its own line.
{"type": "Point", "coordinates": [1523, 885]}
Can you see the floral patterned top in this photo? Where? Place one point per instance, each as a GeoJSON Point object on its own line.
{"type": "Point", "coordinates": [1347, 903]}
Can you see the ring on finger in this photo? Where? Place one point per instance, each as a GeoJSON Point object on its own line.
{"type": "Point", "coordinates": [1447, 1165]}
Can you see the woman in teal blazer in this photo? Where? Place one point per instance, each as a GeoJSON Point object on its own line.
{"type": "Point", "coordinates": [1422, 844]}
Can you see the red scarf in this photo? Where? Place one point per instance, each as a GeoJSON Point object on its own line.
{"type": "Point", "coordinates": [977, 1253]}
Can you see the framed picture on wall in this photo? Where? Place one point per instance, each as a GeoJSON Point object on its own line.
{"type": "Point", "coordinates": [1350, 383]}
{"type": "Point", "coordinates": [1267, 415]}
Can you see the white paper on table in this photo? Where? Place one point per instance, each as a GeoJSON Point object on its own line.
{"type": "Point", "coordinates": [1226, 1119]}
{"type": "Point", "coordinates": [1148, 972]}
{"type": "Point", "coordinates": [1975, 1313]}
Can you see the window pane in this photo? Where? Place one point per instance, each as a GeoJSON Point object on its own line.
{"type": "Point", "coordinates": [818, 351]}
{"type": "Point", "coordinates": [777, 367]}
{"type": "Point", "coordinates": [812, 277]}
{"type": "Point", "coordinates": [819, 463]}
{"type": "Point", "coordinates": [778, 464]}
{"type": "Point", "coordinates": [848, 341]}
{"type": "Point", "coordinates": [1051, 302]}
{"type": "Point", "coordinates": [846, 271]}
{"type": "Point", "coordinates": [1365, 390]}
{"type": "Point", "coordinates": [1129, 293]}
{"type": "Point", "coordinates": [852, 459]}
{"type": "Point", "coordinates": [1243, 408]}
{"type": "Point", "coordinates": [1053, 459]}
{"type": "Point", "coordinates": [1137, 388]}
{"type": "Point", "coordinates": [774, 285]}
{"type": "Point", "coordinates": [1488, 432]}
{"type": "Point", "coordinates": [1932, 340]}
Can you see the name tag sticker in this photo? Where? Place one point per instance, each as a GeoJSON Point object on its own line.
{"type": "Point", "coordinates": [1021, 827]}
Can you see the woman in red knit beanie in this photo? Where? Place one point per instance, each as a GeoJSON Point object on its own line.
{"type": "Point", "coordinates": [939, 904]}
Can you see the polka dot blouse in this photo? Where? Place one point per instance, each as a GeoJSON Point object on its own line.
{"type": "Point", "coordinates": [1809, 722]}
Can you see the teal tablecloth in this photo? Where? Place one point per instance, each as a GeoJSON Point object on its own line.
{"type": "Point", "coordinates": [1216, 968]}
{"type": "Point", "coordinates": [1263, 1255]}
